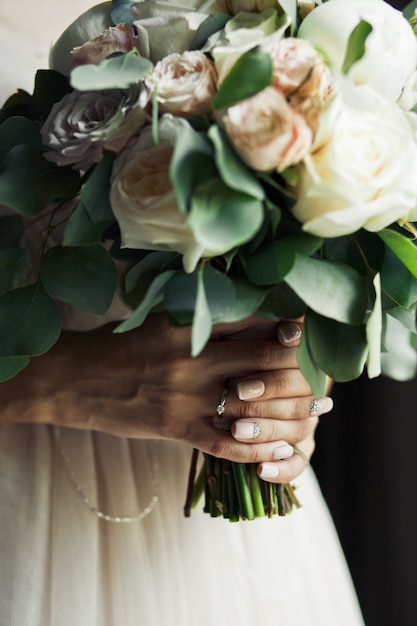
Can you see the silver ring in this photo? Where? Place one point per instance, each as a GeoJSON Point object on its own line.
{"type": "Point", "coordinates": [314, 408]}
{"type": "Point", "coordinates": [221, 406]}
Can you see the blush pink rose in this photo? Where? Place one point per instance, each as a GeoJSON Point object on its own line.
{"type": "Point", "coordinates": [266, 132]}
{"type": "Point", "coordinates": [184, 83]}
{"type": "Point", "coordinates": [119, 38]}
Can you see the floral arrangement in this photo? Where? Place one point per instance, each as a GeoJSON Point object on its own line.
{"type": "Point", "coordinates": [245, 157]}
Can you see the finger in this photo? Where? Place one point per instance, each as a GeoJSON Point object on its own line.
{"type": "Point", "coordinates": [289, 333]}
{"type": "Point", "coordinates": [287, 470]}
{"type": "Point", "coordinates": [263, 431]}
{"type": "Point", "coordinates": [269, 385]}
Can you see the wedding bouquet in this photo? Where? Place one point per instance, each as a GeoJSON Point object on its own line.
{"type": "Point", "coordinates": [245, 157]}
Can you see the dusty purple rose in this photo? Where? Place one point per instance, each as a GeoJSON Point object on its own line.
{"type": "Point", "coordinates": [83, 125]}
{"type": "Point", "coordinates": [119, 38]}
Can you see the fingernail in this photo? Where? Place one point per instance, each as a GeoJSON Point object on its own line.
{"type": "Point", "coordinates": [246, 430]}
{"type": "Point", "coordinates": [268, 470]}
{"type": "Point", "coordinates": [285, 451]}
{"type": "Point", "coordinates": [324, 405]}
{"type": "Point", "coordinates": [248, 389]}
{"type": "Point", "coordinates": [289, 332]}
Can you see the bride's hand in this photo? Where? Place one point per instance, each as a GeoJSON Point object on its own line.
{"type": "Point", "coordinates": [145, 384]}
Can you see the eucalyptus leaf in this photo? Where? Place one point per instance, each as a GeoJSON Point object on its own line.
{"type": "Point", "coordinates": [192, 162]}
{"type": "Point", "coordinates": [50, 87]}
{"type": "Point", "coordinates": [234, 173]}
{"type": "Point", "coordinates": [338, 349]}
{"type": "Point", "coordinates": [409, 9]}
{"type": "Point", "coordinates": [11, 230]}
{"type": "Point", "coordinates": [30, 322]}
{"type": "Point", "coordinates": [116, 72]}
{"type": "Point", "coordinates": [153, 297]}
{"type": "Point", "coordinates": [12, 365]}
{"type": "Point", "coordinates": [96, 191]}
{"type": "Point", "coordinates": [121, 11]}
{"type": "Point", "coordinates": [180, 297]}
{"type": "Point", "coordinates": [222, 218]}
{"type": "Point", "coordinates": [282, 303]}
{"type": "Point", "coordinates": [13, 269]}
{"type": "Point", "coordinates": [402, 247]}
{"type": "Point", "coordinates": [28, 182]}
{"type": "Point", "coordinates": [331, 289]}
{"type": "Point", "coordinates": [213, 24]}
{"type": "Point", "coordinates": [356, 46]}
{"type": "Point", "coordinates": [202, 324]}
{"type": "Point", "coordinates": [374, 332]}
{"type": "Point", "coordinates": [85, 277]}
{"type": "Point", "coordinates": [18, 130]}
{"type": "Point", "coordinates": [311, 372]}
{"type": "Point", "coordinates": [80, 230]}
{"type": "Point", "coordinates": [397, 281]}
{"type": "Point", "coordinates": [272, 262]}
{"type": "Point", "coordinates": [407, 317]}
{"type": "Point", "coordinates": [246, 302]}
{"type": "Point", "coordinates": [152, 262]}
{"type": "Point", "coordinates": [251, 73]}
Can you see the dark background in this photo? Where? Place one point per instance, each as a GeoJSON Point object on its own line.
{"type": "Point", "coordinates": [366, 461]}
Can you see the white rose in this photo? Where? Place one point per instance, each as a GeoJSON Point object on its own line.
{"type": "Point", "coordinates": [184, 83]}
{"type": "Point", "coordinates": [143, 199]}
{"type": "Point", "coordinates": [362, 172]}
{"type": "Point", "coordinates": [391, 48]}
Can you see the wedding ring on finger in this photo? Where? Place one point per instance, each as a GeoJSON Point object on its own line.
{"type": "Point", "coordinates": [219, 420]}
{"type": "Point", "coordinates": [221, 406]}
{"type": "Point", "coordinates": [314, 408]}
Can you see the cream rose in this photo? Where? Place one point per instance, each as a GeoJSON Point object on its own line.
{"type": "Point", "coordinates": [266, 132]}
{"type": "Point", "coordinates": [144, 201]}
{"type": "Point", "coordinates": [363, 172]}
{"type": "Point", "coordinates": [184, 83]}
{"type": "Point", "coordinates": [391, 48]}
{"type": "Point", "coordinates": [119, 38]}
{"type": "Point", "coordinates": [82, 125]}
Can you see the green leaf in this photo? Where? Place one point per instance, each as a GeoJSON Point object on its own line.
{"type": "Point", "coordinates": [154, 296]}
{"type": "Point", "coordinates": [116, 72]}
{"type": "Point", "coordinates": [15, 131]}
{"type": "Point", "coordinates": [80, 230]}
{"type": "Point", "coordinates": [251, 73]}
{"type": "Point", "coordinates": [192, 163]}
{"type": "Point", "coordinates": [12, 365]}
{"type": "Point", "coordinates": [356, 45]}
{"type": "Point", "coordinates": [50, 87]}
{"type": "Point", "coordinates": [152, 262]}
{"type": "Point", "coordinates": [13, 269]}
{"type": "Point", "coordinates": [30, 322]}
{"type": "Point", "coordinates": [282, 302]}
{"type": "Point", "coordinates": [271, 263]}
{"type": "Point", "coordinates": [85, 277]}
{"type": "Point", "coordinates": [121, 11]}
{"type": "Point", "coordinates": [247, 301]}
{"type": "Point", "coordinates": [11, 230]}
{"type": "Point", "coordinates": [202, 324]}
{"type": "Point", "coordinates": [182, 292]}
{"type": "Point", "coordinates": [213, 24]}
{"type": "Point", "coordinates": [409, 9]}
{"type": "Point", "coordinates": [337, 349]}
{"type": "Point", "coordinates": [96, 191]}
{"type": "Point", "coordinates": [309, 368]}
{"type": "Point", "coordinates": [28, 182]}
{"type": "Point", "coordinates": [222, 218]}
{"type": "Point", "coordinates": [231, 168]}
{"type": "Point", "coordinates": [334, 290]}
{"type": "Point", "coordinates": [402, 247]}
{"type": "Point", "coordinates": [397, 281]}
{"type": "Point", "coordinates": [374, 332]}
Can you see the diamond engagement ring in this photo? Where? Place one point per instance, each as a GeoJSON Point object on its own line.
{"type": "Point", "coordinates": [314, 408]}
{"type": "Point", "coordinates": [221, 406]}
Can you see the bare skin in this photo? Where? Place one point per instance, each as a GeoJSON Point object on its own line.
{"type": "Point", "coordinates": [145, 384]}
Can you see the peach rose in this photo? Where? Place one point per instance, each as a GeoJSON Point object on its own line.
{"type": "Point", "coordinates": [266, 132]}
{"type": "Point", "coordinates": [144, 201]}
{"type": "Point", "coordinates": [184, 83]}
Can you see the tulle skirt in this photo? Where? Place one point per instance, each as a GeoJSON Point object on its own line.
{"type": "Point", "coordinates": [60, 565]}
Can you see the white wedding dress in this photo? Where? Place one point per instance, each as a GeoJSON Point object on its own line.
{"type": "Point", "coordinates": [60, 565]}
